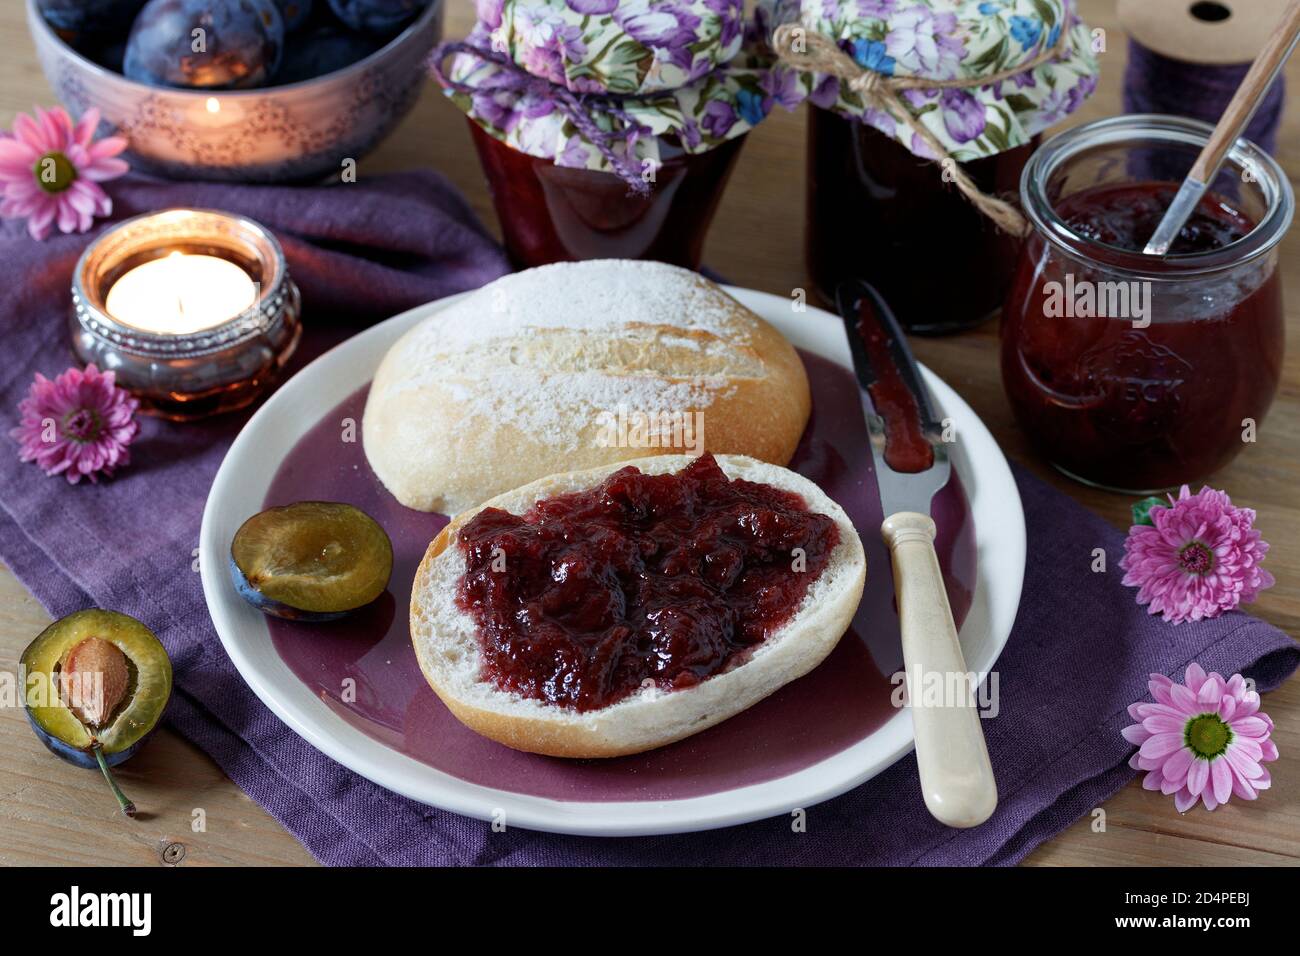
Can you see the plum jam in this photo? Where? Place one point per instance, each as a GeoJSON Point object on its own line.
{"type": "Point", "coordinates": [1139, 373]}
{"type": "Point", "coordinates": [551, 213]}
{"type": "Point", "coordinates": [1127, 215]}
{"type": "Point", "coordinates": [906, 447]}
{"type": "Point", "coordinates": [877, 212]}
{"type": "Point", "coordinates": [668, 579]}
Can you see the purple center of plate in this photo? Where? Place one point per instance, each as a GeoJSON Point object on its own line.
{"type": "Point", "coordinates": [363, 666]}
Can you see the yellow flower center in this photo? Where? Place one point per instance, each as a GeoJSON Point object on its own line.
{"type": "Point", "coordinates": [1207, 736]}
{"type": "Point", "coordinates": [54, 172]}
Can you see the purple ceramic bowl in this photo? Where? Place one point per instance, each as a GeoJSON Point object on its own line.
{"type": "Point", "coordinates": [302, 131]}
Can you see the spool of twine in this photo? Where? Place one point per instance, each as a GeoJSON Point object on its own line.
{"type": "Point", "coordinates": [1187, 58]}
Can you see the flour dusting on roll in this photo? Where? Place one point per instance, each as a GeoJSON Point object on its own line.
{"type": "Point", "coordinates": [572, 366]}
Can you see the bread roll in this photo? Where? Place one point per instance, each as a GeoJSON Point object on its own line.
{"type": "Point", "coordinates": [446, 638]}
{"type": "Point", "coordinates": [575, 365]}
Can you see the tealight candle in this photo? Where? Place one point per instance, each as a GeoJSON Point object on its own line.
{"type": "Point", "coordinates": [179, 294]}
{"type": "Point", "coordinates": [193, 310]}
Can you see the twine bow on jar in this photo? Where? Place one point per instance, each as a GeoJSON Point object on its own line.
{"type": "Point", "coordinates": [578, 108]}
{"type": "Point", "coordinates": [811, 51]}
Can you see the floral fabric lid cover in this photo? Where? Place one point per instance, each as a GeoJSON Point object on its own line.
{"type": "Point", "coordinates": [681, 68]}
{"type": "Point", "coordinates": [946, 40]}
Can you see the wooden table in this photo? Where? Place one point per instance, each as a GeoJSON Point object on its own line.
{"type": "Point", "coordinates": [51, 812]}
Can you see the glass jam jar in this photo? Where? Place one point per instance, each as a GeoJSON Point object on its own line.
{"type": "Point", "coordinates": [878, 212]}
{"type": "Point", "coordinates": [1131, 372]}
{"type": "Point", "coordinates": [551, 213]}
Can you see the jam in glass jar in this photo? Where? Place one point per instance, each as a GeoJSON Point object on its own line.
{"type": "Point", "coordinates": [602, 132]}
{"type": "Point", "coordinates": [878, 212]}
{"type": "Point", "coordinates": [1140, 373]}
{"type": "Point", "coordinates": [550, 213]}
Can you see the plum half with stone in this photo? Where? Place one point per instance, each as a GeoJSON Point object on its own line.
{"type": "Point", "coordinates": [202, 45]}
{"type": "Point", "coordinates": [311, 561]}
{"type": "Point", "coordinates": [96, 684]}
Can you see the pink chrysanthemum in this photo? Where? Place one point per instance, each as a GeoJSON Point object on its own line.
{"type": "Point", "coordinates": [50, 171]}
{"type": "Point", "coordinates": [78, 425]}
{"type": "Point", "coordinates": [1204, 740]}
{"type": "Point", "coordinates": [1199, 557]}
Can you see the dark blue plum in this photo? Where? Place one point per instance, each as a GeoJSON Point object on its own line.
{"type": "Point", "coordinates": [79, 16]}
{"type": "Point", "coordinates": [294, 13]}
{"type": "Point", "coordinates": [240, 45]}
{"type": "Point", "coordinates": [380, 17]}
{"type": "Point", "coordinates": [111, 56]}
{"type": "Point", "coordinates": [323, 50]}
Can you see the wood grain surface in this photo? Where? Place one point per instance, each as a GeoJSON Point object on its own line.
{"type": "Point", "coordinates": [51, 812]}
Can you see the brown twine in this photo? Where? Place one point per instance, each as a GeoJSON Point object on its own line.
{"type": "Point", "coordinates": [820, 54]}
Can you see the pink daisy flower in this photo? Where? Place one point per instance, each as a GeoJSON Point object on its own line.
{"type": "Point", "coordinates": [78, 425]}
{"type": "Point", "coordinates": [1204, 740]}
{"type": "Point", "coordinates": [1198, 558]}
{"type": "Point", "coordinates": [50, 171]}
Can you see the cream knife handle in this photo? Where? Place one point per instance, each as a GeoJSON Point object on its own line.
{"type": "Point", "coordinates": [956, 776]}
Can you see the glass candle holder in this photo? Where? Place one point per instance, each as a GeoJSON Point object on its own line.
{"type": "Point", "coordinates": [193, 309]}
{"type": "Point", "coordinates": [1140, 373]}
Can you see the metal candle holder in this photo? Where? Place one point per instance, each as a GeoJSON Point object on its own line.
{"type": "Point", "coordinates": [187, 376]}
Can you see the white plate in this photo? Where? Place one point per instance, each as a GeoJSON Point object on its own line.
{"type": "Point", "coordinates": [240, 488]}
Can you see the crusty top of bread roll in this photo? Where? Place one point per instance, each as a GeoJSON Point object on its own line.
{"type": "Point", "coordinates": [532, 374]}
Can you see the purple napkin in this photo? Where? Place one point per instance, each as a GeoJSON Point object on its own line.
{"type": "Point", "coordinates": [1080, 652]}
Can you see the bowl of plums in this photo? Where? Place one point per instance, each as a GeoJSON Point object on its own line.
{"type": "Point", "coordinates": [239, 90]}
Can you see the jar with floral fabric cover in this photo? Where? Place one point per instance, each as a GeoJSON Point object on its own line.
{"type": "Point", "coordinates": [924, 115]}
{"type": "Point", "coordinates": [608, 129]}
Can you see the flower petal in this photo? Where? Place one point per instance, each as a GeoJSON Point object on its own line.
{"type": "Point", "coordinates": [30, 132]}
{"type": "Point", "coordinates": [1160, 745]}
{"type": "Point", "coordinates": [1221, 780]}
{"type": "Point", "coordinates": [1135, 734]}
{"type": "Point", "coordinates": [1227, 706]}
{"type": "Point", "coordinates": [1209, 693]}
{"type": "Point", "coordinates": [84, 131]}
{"type": "Point", "coordinates": [1249, 727]}
{"type": "Point", "coordinates": [107, 147]}
{"type": "Point", "coordinates": [1246, 767]}
{"type": "Point", "coordinates": [1164, 723]}
{"type": "Point", "coordinates": [1198, 774]}
{"type": "Point", "coordinates": [1177, 764]}
{"type": "Point", "coordinates": [1184, 699]}
{"type": "Point", "coordinates": [19, 153]}
{"type": "Point", "coordinates": [105, 169]}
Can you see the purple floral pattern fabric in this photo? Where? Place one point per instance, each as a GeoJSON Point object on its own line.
{"type": "Point", "coordinates": [688, 71]}
{"type": "Point", "coordinates": [944, 40]}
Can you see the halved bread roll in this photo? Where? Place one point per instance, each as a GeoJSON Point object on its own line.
{"type": "Point", "coordinates": [539, 371]}
{"type": "Point", "coordinates": [447, 639]}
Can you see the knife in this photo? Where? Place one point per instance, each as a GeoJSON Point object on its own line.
{"type": "Point", "coordinates": [911, 460]}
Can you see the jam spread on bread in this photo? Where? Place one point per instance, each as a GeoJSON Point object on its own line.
{"type": "Point", "coordinates": [661, 578]}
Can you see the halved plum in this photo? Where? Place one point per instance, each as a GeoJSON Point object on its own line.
{"type": "Point", "coordinates": [96, 684]}
{"type": "Point", "coordinates": [311, 561]}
